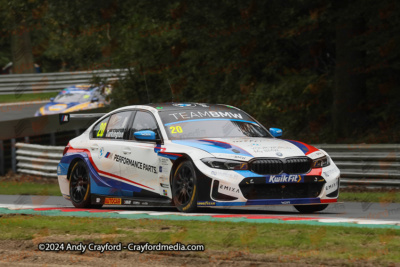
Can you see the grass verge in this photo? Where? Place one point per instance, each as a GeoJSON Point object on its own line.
{"type": "Point", "coordinates": [287, 243]}
{"type": "Point", "coordinates": [26, 97]}
{"type": "Point", "coordinates": [381, 197]}
{"type": "Point", "coordinates": [29, 188]}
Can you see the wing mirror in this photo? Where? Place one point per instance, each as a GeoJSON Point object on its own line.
{"type": "Point", "coordinates": [51, 99]}
{"type": "Point", "coordinates": [276, 132]}
{"type": "Point", "coordinates": [145, 135]}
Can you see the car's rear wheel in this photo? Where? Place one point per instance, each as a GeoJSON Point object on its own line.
{"type": "Point", "coordinates": [310, 208]}
{"type": "Point", "coordinates": [79, 186]}
{"type": "Point", "coordinates": [184, 187]}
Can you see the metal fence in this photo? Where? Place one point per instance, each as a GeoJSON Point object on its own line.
{"type": "Point", "coordinates": [360, 165]}
{"type": "Point", "coordinates": [51, 82]}
{"type": "Point", "coordinates": [38, 160]}
{"type": "Point", "coordinates": [44, 130]}
{"type": "Point", "coordinates": [371, 165]}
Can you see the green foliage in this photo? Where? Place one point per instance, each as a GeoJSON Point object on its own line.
{"type": "Point", "coordinates": [276, 60]}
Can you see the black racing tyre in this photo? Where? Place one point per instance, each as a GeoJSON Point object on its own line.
{"type": "Point", "coordinates": [79, 186]}
{"type": "Point", "coordinates": [310, 208]}
{"type": "Point", "coordinates": [184, 187]}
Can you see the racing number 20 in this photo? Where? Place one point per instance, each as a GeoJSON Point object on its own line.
{"type": "Point", "coordinates": [101, 130]}
{"type": "Point", "coordinates": [177, 129]}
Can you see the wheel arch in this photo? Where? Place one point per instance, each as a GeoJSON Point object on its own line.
{"type": "Point", "coordinates": [203, 181]}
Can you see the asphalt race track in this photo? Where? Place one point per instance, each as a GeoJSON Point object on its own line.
{"type": "Point", "coordinates": [361, 213]}
{"type": "Point", "coordinates": [18, 111]}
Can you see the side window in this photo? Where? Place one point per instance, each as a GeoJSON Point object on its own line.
{"type": "Point", "coordinates": [117, 125]}
{"type": "Point", "coordinates": [143, 121]}
{"type": "Point", "coordinates": [99, 129]}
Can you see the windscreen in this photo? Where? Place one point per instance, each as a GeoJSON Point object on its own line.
{"type": "Point", "coordinates": [72, 97]}
{"type": "Point", "coordinates": [199, 124]}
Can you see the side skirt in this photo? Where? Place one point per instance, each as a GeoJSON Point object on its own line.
{"type": "Point", "coordinates": [131, 201]}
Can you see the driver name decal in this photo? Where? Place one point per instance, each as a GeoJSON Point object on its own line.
{"type": "Point", "coordinates": [136, 164]}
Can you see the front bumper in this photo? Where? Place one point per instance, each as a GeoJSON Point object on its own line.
{"type": "Point", "coordinates": [244, 188]}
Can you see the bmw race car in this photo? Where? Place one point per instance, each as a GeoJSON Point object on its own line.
{"type": "Point", "coordinates": [74, 98]}
{"type": "Point", "coordinates": [190, 156]}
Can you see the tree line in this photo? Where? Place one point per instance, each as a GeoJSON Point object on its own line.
{"type": "Point", "coordinates": [323, 71]}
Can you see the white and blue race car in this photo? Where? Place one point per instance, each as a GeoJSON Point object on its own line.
{"type": "Point", "coordinates": [192, 155]}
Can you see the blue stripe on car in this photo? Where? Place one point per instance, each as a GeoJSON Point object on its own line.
{"type": "Point", "coordinates": [210, 120]}
{"type": "Point", "coordinates": [212, 146]}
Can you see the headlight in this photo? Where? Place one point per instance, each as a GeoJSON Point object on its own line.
{"type": "Point", "coordinates": [321, 162]}
{"type": "Point", "coordinates": [225, 164]}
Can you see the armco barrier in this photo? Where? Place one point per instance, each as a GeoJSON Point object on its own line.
{"type": "Point", "coordinates": [372, 165]}
{"type": "Point", "coordinates": [51, 82]}
{"type": "Point", "coordinates": [38, 160]}
{"type": "Point", "coordinates": [360, 165]}
{"type": "Point", "coordinates": [44, 130]}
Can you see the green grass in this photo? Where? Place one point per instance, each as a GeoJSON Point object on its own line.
{"type": "Point", "coordinates": [284, 241]}
{"type": "Point", "coordinates": [26, 97]}
{"type": "Point", "coordinates": [381, 197]}
{"type": "Point", "coordinates": [29, 188]}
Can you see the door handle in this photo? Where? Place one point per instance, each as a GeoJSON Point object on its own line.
{"type": "Point", "coordinates": [126, 151]}
{"type": "Point", "coordinates": [94, 147]}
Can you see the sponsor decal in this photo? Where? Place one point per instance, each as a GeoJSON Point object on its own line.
{"type": "Point", "coordinates": [160, 169]}
{"type": "Point", "coordinates": [165, 185]}
{"type": "Point", "coordinates": [164, 179]}
{"type": "Point", "coordinates": [136, 164]}
{"type": "Point", "coordinates": [64, 118]}
{"type": "Point", "coordinates": [182, 105]}
{"type": "Point", "coordinates": [227, 188]}
{"type": "Point", "coordinates": [327, 173]}
{"type": "Point", "coordinates": [205, 203]}
{"type": "Point", "coordinates": [165, 192]}
{"type": "Point", "coordinates": [108, 155]}
{"type": "Point", "coordinates": [145, 203]}
{"type": "Point", "coordinates": [226, 174]}
{"type": "Point", "coordinates": [127, 202]}
{"type": "Point", "coordinates": [57, 107]}
{"type": "Point", "coordinates": [112, 201]}
{"type": "Point", "coordinates": [285, 202]}
{"type": "Point", "coordinates": [135, 203]}
{"type": "Point", "coordinates": [101, 152]}
{"type": "Point", "coordinates": [243, 166]}
{"type": "Point", "coordinates": [284, 179]}
{"type": "Point", "coordinates": [332, 186]}
{"type": "Point", "coordinates": [205, 114]}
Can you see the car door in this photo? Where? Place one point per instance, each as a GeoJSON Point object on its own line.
{"type": "Point", "coordinates": [142, 160]}
{"type": "Point", "coordinates": [106, 141]}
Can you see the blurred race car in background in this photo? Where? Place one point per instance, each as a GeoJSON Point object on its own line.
{"type": "Point", "coordinates": [76, 98]}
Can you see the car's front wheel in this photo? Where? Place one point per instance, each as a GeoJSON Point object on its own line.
{"type": "Point", "coordinates": [310, 208]}
{"type": "Point", "coordinates": [184, 187]}
{"type": "Point", "coordinates": [79, 186]}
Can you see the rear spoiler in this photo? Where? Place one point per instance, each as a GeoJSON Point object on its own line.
{"type": "Point", "coordinates": [65, 118]}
